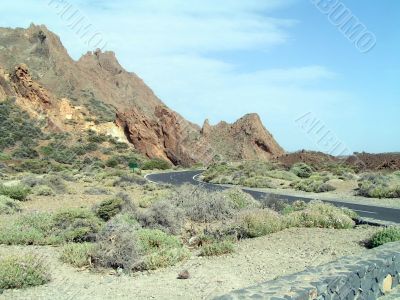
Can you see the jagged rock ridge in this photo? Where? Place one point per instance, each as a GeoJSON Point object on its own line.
{"type": "Point", "coordinates": [97, 85]}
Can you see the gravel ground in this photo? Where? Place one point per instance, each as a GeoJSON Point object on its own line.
{"type": "Point", "coordinates": [254, 261]}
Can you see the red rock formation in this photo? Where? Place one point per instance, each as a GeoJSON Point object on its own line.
{"type": "Point", "coordinates": [97, 79]}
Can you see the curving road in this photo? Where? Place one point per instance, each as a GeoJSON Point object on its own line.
{"type": "Point", "coordinates": [189, 177]}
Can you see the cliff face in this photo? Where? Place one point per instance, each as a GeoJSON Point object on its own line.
{"type": "Point", "coordinates": [36, 68]}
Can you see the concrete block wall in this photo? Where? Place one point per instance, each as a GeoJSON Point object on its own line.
{"type": "Point", "coordinates": [367, 276]}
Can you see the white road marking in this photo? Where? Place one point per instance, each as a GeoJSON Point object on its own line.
{"type": "Point", "coordinates": [365, 211]}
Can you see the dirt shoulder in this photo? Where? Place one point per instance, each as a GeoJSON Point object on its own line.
{"type": "Point", "coordinates": [254, 261]}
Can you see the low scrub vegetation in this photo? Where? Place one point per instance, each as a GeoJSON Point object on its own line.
{"type": "Point", "coordinates": [17, 192]}
{"type": "Point", "coordinates": [217, 248]}
{"type": "Point", "coordinates": [9, 206]}
{"type": "Point", "coordinates": [17, 272]}
{"type": "Point", "coordinates": [73, 225]}
{"type": "Point", "coordinates": [155, 164]}
{"type": "Point", "coordinates": [387, 235]}
{"type": "Point", "coordinates": [316, 183]}
{"type": "Point", "coordinates": [302, 170]}
{"type": "Point", "coordinates": [379, 186]}
{"type": "Point", "coordinates": [77, 255]}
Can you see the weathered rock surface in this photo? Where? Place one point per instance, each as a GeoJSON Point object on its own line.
{"type": "Point", "coordinates": [46, 78]}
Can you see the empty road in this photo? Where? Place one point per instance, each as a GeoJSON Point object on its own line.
{"type": "Point", "coordinates": [364, 211]}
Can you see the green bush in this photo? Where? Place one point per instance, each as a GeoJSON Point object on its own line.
{"type": "Point", "coordinates": [241, 199]}
{"type": "Point", "coordinates": [43, 190]}
{"type": "Point", "coordinates": [316, 184]}
{"type": "Point", "coordinates": [109, 208]}
{"type": "Point", "coordinates": [17, 192]}
{"type": "Point", "coordinates": [258, 222]}
{"type": "Point", "coordinates": [77, 255]}
{"type": "Point", "coordinates": [159, 249]}
{"type": "Point", "coordinates": [379, 186]}
{"type": "Point", "coordinates": [9, 206]}
{"type": "Point", "coordinates": [302, 170]}
{"type": "Point", "coordinates": [4, 156]}
{"type": "Point", "coordinates": [76, 225]}
{"type": "Point", "coordinates": [18, 272]}
{"type": "Point", "coordinates": [217, 248]}
{"type": "Point", "coordinates": [387, 235]}
{"type": "Point", "coordinates": [31, 229]}
{"type": "Point", "coordinates": [323, 215]}
{"type": "Point", "coordinates": [156, 164]}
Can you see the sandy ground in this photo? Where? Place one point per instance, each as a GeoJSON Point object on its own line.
{"type": "Point", "coordinates": [254, 261]}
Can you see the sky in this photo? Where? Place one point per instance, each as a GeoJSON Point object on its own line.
{"type": "Point", "coordinates": [283, 59]}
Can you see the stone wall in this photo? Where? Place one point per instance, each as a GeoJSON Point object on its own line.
{"type": "Point", "coordinates": [367, 276]}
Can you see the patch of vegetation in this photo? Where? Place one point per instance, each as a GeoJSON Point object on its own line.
{"type": "Point", "coordinates": [73, 225]}
{"type": "Point", "coordinates": [109, 208]}
{"type": "Point", "coordinates": [379, 186]}
{"type": "Point", "coordinates": [163, 215]}
{"type": "Point", "coordinates": [316, 183]}
{"type": "Point", "coordinates": [217, 248]}
{"type": "Point", "coordinates": [16, 125]}
{"type": "Point", "coordinates": [302, 170]}
{"type": "Point", "coordinates": [386, 235]}
{"type": "Point", "coordinates": [9, 206]}
{"type": "Point", "coordinates": [155, 164]}
{"type": "Point", "coordinates": [104, 112]}
{"type": "Point", "coordinates": [77, 255]}
{"type": "Point", "coordinates": [323, 215]}
{"type": "Point", "coordinates": [258, 222]}
{"type": "Point", "coordinates": [18, 272]}
{"type": "Point", "coordinates": [240, 199]}
{"type": "Point", "coordinates": [17, 192]}
{"type": "Point", "coordinates": [43, 190]}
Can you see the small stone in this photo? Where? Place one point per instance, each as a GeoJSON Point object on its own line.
{"type": "Point", "coordinates": [387, 284]}
{"type": "Point", "coordinates": [184, 274]}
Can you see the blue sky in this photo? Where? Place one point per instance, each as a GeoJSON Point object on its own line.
{"type": "Point", "coordinates": [222, 59]}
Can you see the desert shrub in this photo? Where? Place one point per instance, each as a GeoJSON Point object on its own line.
{"type": "Point", "coordinates": [159, 249]}
{"type": "Point", "coordinates": [257, 182]}
{"type": "Point", "coordinates": [378, 186]}
{"type": "Point", "coordinates": [386, 235]}
{"type": "Point", "coordinates": [316, 183]}
{"type": "Point", "coordinates": [273, 202]}
{"type": "Point", "coordinates": [97, 191]}
{"type": "Point", "coordinates": [217, 248]}
{"type": "Point", "coordinates": [297, 205]}
{"type": "Point", "coordinates": [109, 208]}
{"type": "Point", "coordinates": [127, 180]}
{"type": "Point", "coordinates": [43, 190]}
{"type": "Point", "coordinates": [77, 255]}
{"type": "Point", "coordinates": [76, 225]}
{"type": "Point", "coordinates": [282, 174]}
{"type": "Point", "coordinates": [200, 205]}
{"type": "Point", "coordinates": [117, 246]}
{"type": "Point", "coordinates": [57, 183]}
{"type": "Point", "coordinates": [16, 125]}
{"type": "Point", "coordinates": [156, 164]}
{"type": "Point", "coordinates": [162, 215]}
{"type": "Point", "coordinates": [31, 229]}
{"type": "Point", "coordinates": [18, 272]}
{"type": "Point", "coordinates": [241, 199]}
{"type": "Point", "coordinates": [32, 181]}
{"type": "Point", "coordinates": [319, 214]}
{"type": "Point", "coordinates": [112, 162]}
{"type": "Point", "coordinates": [39, 166]}
{"type": "Point", "coordinates": [258, 222]}
{"type": "Point", "coordinates": [302, 170]}
{"type": "Point", "coordinates": [4, 156]}
{"type": "Point", "coordinates": [9, 206]}
{"type": "Point", "coordinates": [17, 192]}
{"type": "Point", "coordinates": [25, 152]}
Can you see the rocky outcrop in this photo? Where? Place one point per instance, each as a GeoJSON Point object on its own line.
{"type": "Point", "coordinates": [97, 84]}
{"type": "Point", "coordinates": [247, 138]}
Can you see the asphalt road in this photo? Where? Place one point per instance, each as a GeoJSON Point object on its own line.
{"type": "Point", "coordinates": [364, 211]}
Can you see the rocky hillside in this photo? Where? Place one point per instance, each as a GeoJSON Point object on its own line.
{"type": "Point", "coordinates": [96, 92]}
